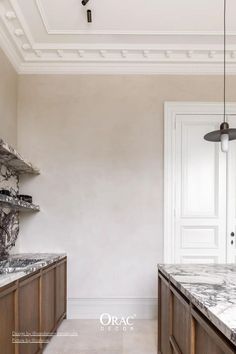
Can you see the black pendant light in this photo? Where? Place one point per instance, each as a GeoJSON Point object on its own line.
{"type": "Point", "coordinates": [225, 133]}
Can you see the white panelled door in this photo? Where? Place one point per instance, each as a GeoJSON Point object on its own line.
{"type": "Point", "coordinates": [200, 186]}
{"type": "Point", "coordinates": [200, 207]}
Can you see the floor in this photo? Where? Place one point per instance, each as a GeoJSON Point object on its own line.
{"type": "Point", "coordinates": [89, 337]}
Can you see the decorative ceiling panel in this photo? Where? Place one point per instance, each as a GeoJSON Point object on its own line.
{"type": "Point", "coordinates": [177, 37]}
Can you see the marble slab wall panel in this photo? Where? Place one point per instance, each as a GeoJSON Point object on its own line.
{"type": "Point", "coordinates": [9, 219]}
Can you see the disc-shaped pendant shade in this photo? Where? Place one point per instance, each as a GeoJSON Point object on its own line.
{"type": "Point", "coordinates": [216, 135]}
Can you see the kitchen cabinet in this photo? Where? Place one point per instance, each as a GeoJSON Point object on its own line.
{"type": "Point", "coordinates": [179, 322]}
{"type": "Point", "coordinates": [182, 329]}
{"type": "Point", "coordinates": [28, 312]}
{"type": "Point", "coordinates": [208, 340]}
{"type": "Point", "coordinates": [61, 272]}
{"type": "Point", "coordinates": [48, 299]}
{"type": "Point", "coordinates": [33, 304]}
{"type": "Point", "coordinates": [163, 316]}
{"type": "Point", "coordinates": [8, 319]}
{"type": "Point", "coordinates": [53, 295]}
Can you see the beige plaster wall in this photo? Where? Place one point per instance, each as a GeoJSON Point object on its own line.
{"type": "Point", "coordinates": [99, 143]}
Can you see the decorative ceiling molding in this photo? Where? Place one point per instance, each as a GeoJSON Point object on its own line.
{"type": "Point", "coordinates": [10, 50]}
{"type": "Point", "coordinates": [123, 69]}
{"type": "Point", "coordinates": [29, 57]}
{"type": "Point", "coordinates": [23, 26]}
{"type": "Point", "coordinates": [51, 31]}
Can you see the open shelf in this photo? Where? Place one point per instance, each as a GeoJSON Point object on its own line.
{"type": "Point", "coordinates": [16, 204]}
{"type": "Point", "coordinates": [12, 159]}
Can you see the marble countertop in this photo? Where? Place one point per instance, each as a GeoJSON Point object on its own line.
{"type": "Point", "coordinates": [211, 288]}
{"type": "Point", "coordinates": [29, 263]}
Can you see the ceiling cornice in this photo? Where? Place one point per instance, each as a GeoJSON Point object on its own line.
{"type": "Point", "coordinates": [30, 57]}
{"type": "Point", "coordinates": [123, 69]}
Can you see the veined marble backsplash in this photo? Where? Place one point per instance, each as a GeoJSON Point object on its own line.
{"type": "Point", "coordinates": [9, 219]}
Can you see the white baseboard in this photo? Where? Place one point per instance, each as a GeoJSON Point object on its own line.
{"type": "Point", "coordinates": [93, 308]}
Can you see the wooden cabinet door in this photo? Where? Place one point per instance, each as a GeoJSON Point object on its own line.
{"type": "Point", "coordinates": [60, 290]}
{"type": "Point", "coordinates": [29, 313]}
{"type": "Point", "coordinates": [48, 300]}
{"type": "Point", "coordinates": [204, 343]}
{"type": "Point", "coordinates": [208, 340]}
{"type": "Point", "coordinates": [7, 323]}
{"type": "Point", "coordinates": [180, 323]}
{"type": "Point", "coordinates": [163, 316]}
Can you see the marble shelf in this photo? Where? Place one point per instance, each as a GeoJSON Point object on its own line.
{"type": "Point", "coordinates": [16, 204]}
{"type": "Point", "coordinates": [12, 159]}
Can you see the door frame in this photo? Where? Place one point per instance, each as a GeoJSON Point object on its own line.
{"type": "Point", "coordinates": [171, 110]}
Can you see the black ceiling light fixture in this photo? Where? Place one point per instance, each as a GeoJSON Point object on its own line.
{"type": "Point", "coordinates": [89, 16]}
{"type": "Point", "coordinates": [225, 134]}
{"type": "Point", "coordinates": [89, 12]}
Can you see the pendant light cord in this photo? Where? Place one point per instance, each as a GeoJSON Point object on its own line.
{"type": "Point", "coordinates": [224, 60]}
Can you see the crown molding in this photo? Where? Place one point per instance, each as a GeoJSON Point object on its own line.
{"type": "Point", "coordinates": [10, 51]}
{"type": "Point", "coordinates": [186, 58]}
{"type": "Point", "coordinates": [123, 69]}
{"type": "Point", "coordinates": [27, 35]}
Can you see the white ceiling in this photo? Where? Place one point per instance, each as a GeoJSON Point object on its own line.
{"type": "Point", "coordinates": [132, 36]}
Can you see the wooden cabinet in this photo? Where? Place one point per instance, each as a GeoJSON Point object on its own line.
{"type": "Point", "coordinates": [53, 283]}
{"type": "Point", "coordinates": [179, 322]}
{"type": "Point", "coordinates": [182, 329]}
{"type": "Point", "coordinates": [48, 299]}
{"type": "Point", "coordinates": [28, 312]}
{"type": "Point", "coordinates": [173, 320]}
{"type": "Point", "coordinates": [207, 339]}
{"type": "Point", "coordinates": [34, 304]}
{"type": "Point", "coordinates": [8, 319]}
{"type": "Point", "coordinates": [163, 316]}
{"type": "Point", "coordinates": [60, 290]}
